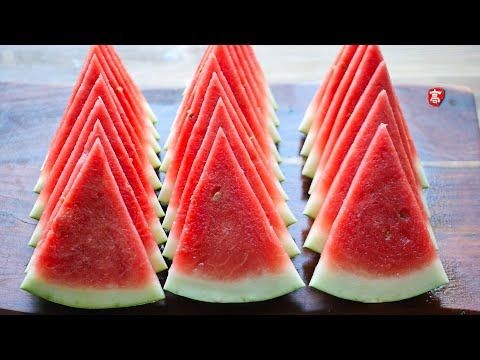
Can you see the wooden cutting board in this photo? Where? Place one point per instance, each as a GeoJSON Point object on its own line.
{"type": "Point", "coordinates": [447, 138]}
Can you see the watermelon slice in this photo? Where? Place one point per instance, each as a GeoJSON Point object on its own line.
{"type": "Point", "coordinates": [100, 89]}
{"type": "Point", "coordinates": [327, 168]}
{"type": "Point", "coordinates": [129, 104]}
{"type": "Point", "coordinates": [93, 70]}
{"type": "Point", "coordinates": [342, 106]}
{"type": "Point", "coordinates": [307, 120]}
{"type": "Point", "coordinates": [185, 104]}
{"type": "Point", "coordinates": [197, 154]}
{"type": "Point", "coordinates": [227, 252]}
{"type": "Point", "coordinates": [147, 200]}
{"type": "Point", "coordinates": [256, 82]}
{"type": "Point", "coordinates": [93, 257]}
{"type": "Point", "coordinates": [126, 191]}
{"type": "Point", "coordinates": [177, 149]}
{"type": "Point", "coordinates": [211, 64]}
{"type": "Point", "coordinates": [342, 76]}
{"type": "Point", "coordinates": [214, 92]}
{"type": "Point", "coordinates": [379, 248]}
{"type": "Point", "coordinates": [132, 91]}
{"type": "Point", "coordinates": [346, 159]}
{"type": "Point", "coordinates": [258, 71]}
{"type": "Point", "coordinates": [132, 85]}
{"type": "Point", "coordinates": [242, 90]}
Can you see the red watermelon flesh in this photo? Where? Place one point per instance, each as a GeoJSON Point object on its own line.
{"type": "Point", "coordinates": [93, 257]}
{"type": "Point", "coordinates": [132, 91]}
{"type": "Point", "coordinates": [128, 103]}
{"type": "Point", "coordinates": [197, 153]}
{"type": "Point", "coordinates": [126, 191]}
{"type": "Point", "coordinates": [145, 199]}
{"type": "Point", "coordinates": [348, 163]}
{"type": "Point", "coordinates": [177, 151]}
{"type": "Point", "coordinates": [326, 172]}
{"type": "Point", "coordinates": [380, 80]}
{"type": "Point", "coordinates": [227, 251]}
{"type": "Point", "coordinates": [100, 89]}
{"type": "Point", "coordinates": [215, 92]}
{"type": "Point", "coordinates": [379, 247]}
{"type": "Point", "coordinates": [131, 83]}
{"type": "Point", "coordinates": [260, 98]}
{"type": "Point", "coordinates": [187, 101]}
{"type": "Point", "coordinates": [242, 90]}
{"type": "Point", "coordinates": [341, 108]}
{"type": "Point", "coordinates": [79, 95]}
{"type": "Point", "coordinates": [258, 71]}
{"type": "Point", "coordinates": [343, 72]}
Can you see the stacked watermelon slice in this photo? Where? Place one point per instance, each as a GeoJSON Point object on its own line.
{"type": "Point", "coordinates": [371, 220]}
{"type": "Point", "coordinates": [98, 232]}
{"type": "Point", "coordinates": [227, 212]}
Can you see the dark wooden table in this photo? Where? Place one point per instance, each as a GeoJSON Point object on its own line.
{"type": "Point", "coordinates": [447, 138]}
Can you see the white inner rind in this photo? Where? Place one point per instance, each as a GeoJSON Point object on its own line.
{"type": "Point", "coordinates": [316, 239]}
{"type": "Point", "coordinates": [311, 163]}
{"type": "Point", "coordinates": [167, 159]}
{"type": "Point", "coordinates": [92, 298]}
{"type": "Point", "coordinates": [153, 178]}
{"type": "Point", "coordinates": [314, 203]}
{"type": "Point", "coordinates": [39, 185]}
{"type": "Point", "coordinates": [274, 132]}
{"type": "Point", "coordinates": [285, 213]}
{"type": "Point", "coordinates": [277, 171]}
{"type": "Point", "coordinates": [307, 120]}
{"type": "Point", "coordinates": [355, 287]}
{"type": "Point", "coordinates": [152, 157]}
{"type": "Point", "coordinates": [169, 217]}
{"type": "Point", "coordinates": [238, 291]}
{"type": "Point", "coordinates": [158, 232]}
{"type": "Point", "coordinates": [308, 144]}
{"type": "Point", "coordinates": [156, 205]}
{"type": "Point", "coordinates": [421, 174]}
{"type": "Point", "coordinates": [37, 209]}
{"type": "Point", "coordinates": [165, 193]}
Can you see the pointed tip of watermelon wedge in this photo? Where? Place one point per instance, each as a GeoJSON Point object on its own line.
{"type": "Point", "coordinates": [358, 288]}
{"type": "Point", "coordinates": [89, 298]}
{"type": "Point", "coordinates": [259, 288]}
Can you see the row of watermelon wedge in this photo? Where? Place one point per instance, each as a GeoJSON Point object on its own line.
{"type": "Point", "coordinates": [98, 230]}
{"type": "Point", "coordinates": [371, 220]}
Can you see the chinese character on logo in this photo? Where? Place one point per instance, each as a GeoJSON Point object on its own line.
{"type": "Point", "coordinates": [435, 96]}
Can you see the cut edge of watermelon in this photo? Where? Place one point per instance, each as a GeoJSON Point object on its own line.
{"type": "Point", "coordinates": [258, 288]}
{"type": "Point", "coordinates": [354, 287]}
{"type": "Point", "coordinates": [90, 298]}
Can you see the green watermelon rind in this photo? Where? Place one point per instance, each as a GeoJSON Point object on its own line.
{"type": "Point", "coordinates": [248, 290]}
{"type": "Point", "coordinates": [356, 287]}
{"type": "Point", "coordinates": [85, 298]}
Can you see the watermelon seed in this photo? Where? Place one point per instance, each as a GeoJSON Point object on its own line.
{"type": "Point", "coordinates": [403, 214]}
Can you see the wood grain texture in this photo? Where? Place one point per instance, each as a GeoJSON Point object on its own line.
{"type": "Point", "coordinates": [447, 138]}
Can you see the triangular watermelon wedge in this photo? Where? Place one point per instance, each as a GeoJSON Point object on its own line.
{"type": "Point", "coordinates": [227, 252]}
{"type": "Point", "coordinates": [126, 191]}
{"type": "Point", "coordinates": [146, 199]}
{"type": "Point", "coordinates": [147, 174]}
{"type": "Point", "coordinates": [342, 106]}
{"type": "Point", "coordinates": [128, 102]}
{"type": "Point", "coordinates": [261, 91]}
{"type": "Point", "coordinates": [345, 162]}
{"type": "Point", "coordinates": [343, 72]}
{"type": "Point", "coordinates": [312, 107]}
{"type": "Point", "coordinates": [252, 59]}
{"type": "Point", "coordinates": [177, 149]}
{"type": "Point", "coordinates": [131, 90]}
{"type": "Point", "coordinates": [132, 85]}
{"type": "Point", "coordinates": [185, 104]}
{"type": "Point", "coordinates": [214, 92]}
{"type": "Point", "coordinates": [379, 248]}
{"type": "Point", "coordinates": [93, 257]}
{"type": "Point", "coordinates": [242, 90]}
{"type": "Point", "coordinates": [192, 174]}
{"type": "Point", "coordinates": [328, 167]}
